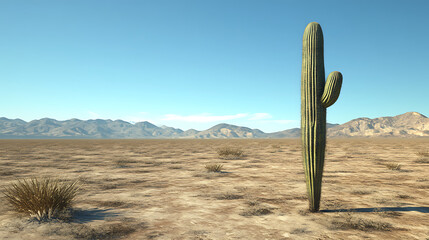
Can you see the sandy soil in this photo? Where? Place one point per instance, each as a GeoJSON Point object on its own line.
{"type": "Point", "coordinates": [160, 189]}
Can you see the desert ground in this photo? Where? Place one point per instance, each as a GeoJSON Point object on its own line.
{"type": "Point", "coordinates": [160, 189]}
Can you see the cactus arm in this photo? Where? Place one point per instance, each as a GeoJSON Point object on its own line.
{"type": "Point", "coordinates": [332, 89]}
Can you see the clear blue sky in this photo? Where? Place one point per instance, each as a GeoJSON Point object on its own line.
{"type": "Point", "coordinates": [196, 63]}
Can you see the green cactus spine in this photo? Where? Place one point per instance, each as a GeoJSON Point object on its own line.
{"type": "Point", "coordinates": [316, 96]}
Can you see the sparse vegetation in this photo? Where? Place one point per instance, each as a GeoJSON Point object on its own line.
{"type": "Point", "coordinates": [387, 214]}
{"type": "Point", "coordinates": [423, 157]}
{"type": "Point", "coordinates": [348, 221]}
{"type": "Point", "coordinates": [304, 212]}
{"type": "Point", "coordinates": [43, 199]}
{"type": "Point", "coordinates": [422, 160]}
{"type": "Point", "coordinates": [252, 202]}
{"type": "Point", "coordinates": [85, 232]}
{"type": "Point", "coordinates": [115, 204]}
{"type": "Point", "coordinates": [123, 163]}
{"type": "Point", "coordinates": [230, 153]}
{"type": "Point", "coordinates": [393, 166]}
{"type": "Point", "coordinates": [228, 196]}
{"type": "Point", "coordinates": [261, 183]}
{"type": "Point", "coordinates": [299, 231]}
{"type": "Point", "coordinates": [276, 148]}
{"type": "Point", "coordinates": [214, 167]}
{"type": "Point", "coordinates": [423, 153]}
{"type": "Point", "coordinates": [361, 192]}
{"type": "Point", "coordinates": [256, 211]}
{"type": "Point", "coordinates": [404, 196]}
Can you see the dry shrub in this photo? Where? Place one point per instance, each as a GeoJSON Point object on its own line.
{"type": "Point", "coordinates": [214, 167]}
{"type": "Point", "coordinates": [422, 153]}
{"type": "Point", "coordinates": [230, 153]}
{"type": "Point", "coordinates": [394, 166]}
{"type": "Point", "coordinates": [277, 148]}
{"type": "Point", "coordinates": [423, 157]}
{"type": "Point", "coordinates": [422, 160]}
{"type": "Point", "coordinates": [42, 199]}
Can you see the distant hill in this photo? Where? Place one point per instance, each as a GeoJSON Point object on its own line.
{"type": "Point", "coordinates": [410, 124]}
{"type": "Point", "coordinates": [75, 128]}
{"type": "Point", "coordinates": [224, 130]}
{"type": "Point", "coordinates": [293, 132]}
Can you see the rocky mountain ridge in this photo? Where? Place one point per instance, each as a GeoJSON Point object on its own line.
{"type": "Point", "coordinates": [411, 124]}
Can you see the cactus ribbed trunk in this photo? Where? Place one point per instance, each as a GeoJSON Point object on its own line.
{"type": "Point", "coordinates": [313, 110]}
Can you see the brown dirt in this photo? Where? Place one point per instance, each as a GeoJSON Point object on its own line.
{"type": "Point", "coordinates": [160, 189]}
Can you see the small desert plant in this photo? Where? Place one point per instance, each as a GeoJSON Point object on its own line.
{"type": "Point", "coordinates": [42, 199]}
{"type": "Point", "coordinates": [276, 148]}
{"type": "Point", "coordinates": [394, 166]}
{"type": "Point", "coordinates": [423, 153]}
{"type": "Point", "coordinates": [214, 167]}
{"type": "Point", "coordinates": [123, 163]}
{"type": "Point", "coordinates": [230, 153]}
{"type": "Point", "coordinates": [422, 160]}
{"type": "Point", "coordinates": [424, 157]}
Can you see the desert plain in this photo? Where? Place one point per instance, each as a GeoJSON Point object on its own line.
{"type": "Point", "coordinates": [160, 189]}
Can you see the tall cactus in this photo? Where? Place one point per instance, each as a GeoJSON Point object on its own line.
{"type": "Point", "coordinates": [316, 96]}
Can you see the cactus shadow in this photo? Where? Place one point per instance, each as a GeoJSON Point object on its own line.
{"type": "Point", "coordinates": [382, 209]}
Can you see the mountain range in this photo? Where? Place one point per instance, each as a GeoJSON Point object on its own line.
{"type": "Point", "coordinates": [410, 124]}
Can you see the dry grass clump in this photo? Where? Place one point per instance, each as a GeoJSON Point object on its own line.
{"type": "Point", "coordinates": [423, 153]}
{"type": "Point", "coordinates": [422, 160]}
{"type": "Point", "coordinates": [361, 192]}
{"type": "Point", "coordinates": [393, 166]}
{"type": "Point", "coordinates": [256, 211]}
{"type": "Point", "coordinates": [348, 221]}
{"type": "Point", "coordinates": [228, 196]}
{"type": "Point", "coordinates": [255, 208]}
{"type": "Point", "coordinates": [387, 214]}
{"type": "Point", "coordinates": [117, 230]}
{"type": "Point", "coordinates": [214, 167]}
{"type": "Point", "coordinates": [43, 199]}
{"type": "Point", "coordinates": [300, 231]}
{"type": "Point", "coordinates": [123, 163]}
{"type": "Point", "coordinates": [115, 204]}
{"type": "Point", "coordinates": [230, 153]}
{"type": "Point", "coordinates": [423, 157]}
{"type": "Point", "coordinates": [405, 196]}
